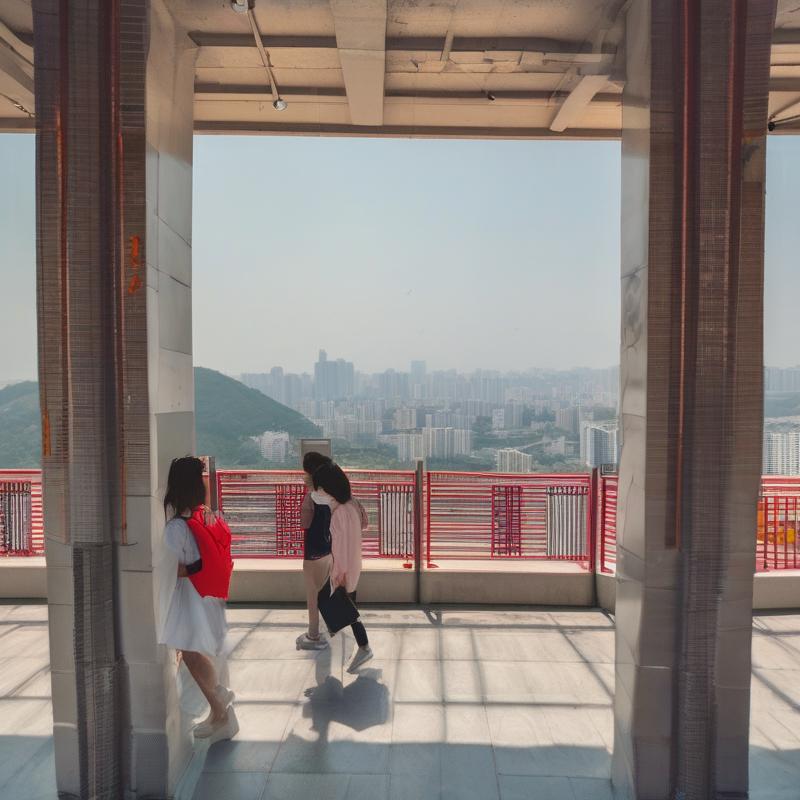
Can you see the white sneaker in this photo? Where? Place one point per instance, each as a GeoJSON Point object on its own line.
{"type": "Point", "coordinates": [225, 695]}
{"type": "Point", "coordinates": [204, 729]}
{"type": "Point", "coordinates": [305, 642]}
{"type": "Point", "coordinates": [224, 729]}
{"type": "Point", "coordinates": [363, 654]}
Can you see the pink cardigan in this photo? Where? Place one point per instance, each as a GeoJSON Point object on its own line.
{"type": "Point", "coordinates": [347, 522]}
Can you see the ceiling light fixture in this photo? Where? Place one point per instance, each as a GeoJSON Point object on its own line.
{"type": "Point", "coordinates": [279, 104]}
{"type": "Point", "coordinates": [776, 123]}
{"type": "Point", "coordinates": [490, 96]}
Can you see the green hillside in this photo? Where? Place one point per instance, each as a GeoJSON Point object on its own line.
{"type": "Point", "coordinates": [20, 426]}
{"type": "Point", "coordinates": [227, 414]}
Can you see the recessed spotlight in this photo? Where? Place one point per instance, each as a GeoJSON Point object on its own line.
{"type": "Point", "coordinates": [280, 104]}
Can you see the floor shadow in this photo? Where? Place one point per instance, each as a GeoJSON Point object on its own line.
{"type": "Point", "coordinates": [360, 705]}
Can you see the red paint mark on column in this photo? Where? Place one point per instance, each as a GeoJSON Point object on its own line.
{"type": "Point", "coordinates": [135, 283]}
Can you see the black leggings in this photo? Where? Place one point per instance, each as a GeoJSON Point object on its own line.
{"type": "Point", "coordinates": [358, 627]}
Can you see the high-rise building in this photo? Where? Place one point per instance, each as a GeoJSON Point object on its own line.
{"type": "Point", "coordinates": [781, 453]}
{"type": "Point", "coordinates": [599, 443]}
{"type": "Point", "coordinates": [394, 385]}
{"type": "Point", "coordinates": [569, 419]}
{"type": "Point", "coordinates": [370, 410]}
{"type": "Point", "coordinates": [498, 419]}
{"type": "Point", "coordinates": [333, 380]}
{"type": "Point", "coordinates": [405, 419]}
{"type": "Point", "coordinates": [511, 460]}
{"type": "Point", "coordinates": [513, 416]}
{"type": "Point", "coordinates": [349, 428]}
{"type": "Point", "coordinates": [478, 408]}
{"type": "Point", "coordinates": [446, 442]}
{"type": "Point", "coordinates": [782, 380]}
{"type": "Point", "coordinates": [277, 384]}
{"type": "Point", "coordinates": [418, 371]}
{"type": "Point", "coordinates": [410, 446]}
{"type": "Point", "coordinates": [274, 446]}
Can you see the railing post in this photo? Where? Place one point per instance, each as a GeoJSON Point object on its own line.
{"type": "Point", "coordinates": [591, 524]}
{"type": "Point", "coordinates": [428, 526]}
{"type": "Point", "coordinates": [418, 521]}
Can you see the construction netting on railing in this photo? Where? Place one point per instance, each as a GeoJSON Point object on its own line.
{"type": "Point", "coordinates": [262, 509]}
{"type": "Point", "coordinates": [21, 521]}
{"type": "Point", "coordinates": [514, 516]}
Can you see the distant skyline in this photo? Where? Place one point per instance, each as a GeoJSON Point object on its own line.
{"type": "Point", "coordinates": [489, 254]}
{"type": "Point", "coordinates": [309, 370]}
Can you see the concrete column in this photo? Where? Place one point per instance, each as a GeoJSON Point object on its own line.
{"type": "Point", "coordinates": [694, 120]}
{"type": "Point", "coordinates": [114, 99]}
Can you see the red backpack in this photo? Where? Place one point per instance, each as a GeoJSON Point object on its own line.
{"type": "Point", "coordinates": [214, 544]}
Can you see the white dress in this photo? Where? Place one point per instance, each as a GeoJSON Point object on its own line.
{"type": "Point", "coordinates": [186, 621]}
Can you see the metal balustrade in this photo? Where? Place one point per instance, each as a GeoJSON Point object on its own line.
{"type": "Point", "coordinates": [462, 516]}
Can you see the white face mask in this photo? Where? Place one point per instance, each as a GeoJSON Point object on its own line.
{"type": "Point", "coordinates": [321, 498]}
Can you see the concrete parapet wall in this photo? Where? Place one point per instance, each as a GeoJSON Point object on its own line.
{"type": "Point", "coordinates": [273, 581]}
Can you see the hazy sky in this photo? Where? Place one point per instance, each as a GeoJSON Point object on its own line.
{"type": "Point", "coordinates": [465, 254]}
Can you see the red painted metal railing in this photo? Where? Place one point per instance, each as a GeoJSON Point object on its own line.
{"type": "Point", "coordinates": [465, 516]}
{"type": "Point", "coordinates": [607, 523]}
{"type": "Point", "coordinates": [778, 524]}
{"type": "Point", "coordinates": [21, 516]}
{"type": "Point", "coordinates": [262, 509]}
{"type": "Point", "coordinates": [495, 516]}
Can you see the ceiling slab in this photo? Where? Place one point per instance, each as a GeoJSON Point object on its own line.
{"type": "Point", "coordinates": [407, 67]}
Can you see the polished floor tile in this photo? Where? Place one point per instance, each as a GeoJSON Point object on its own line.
{"type": "Point", "coordinates": [455, 705]}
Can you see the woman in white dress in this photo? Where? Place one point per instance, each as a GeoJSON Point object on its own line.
{"type": "Point", "coordinates": [189, 623]}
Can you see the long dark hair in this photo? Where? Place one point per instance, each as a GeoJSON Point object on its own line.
{"type": "Point", "coordinates": [312, 461]}
{"type": "Point", "coordinates": [185, 487]}
{"type": "Point", "coordinates": [332, 479]}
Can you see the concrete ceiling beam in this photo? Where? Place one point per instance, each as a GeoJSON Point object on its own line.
{"type": "Point", "coordinates": [361, 40]}
{"type": "Point", "coordinates": [411, 44]}
{"type": "Point", "coordinates": [577, 101]}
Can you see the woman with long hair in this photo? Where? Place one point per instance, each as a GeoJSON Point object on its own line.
{"type": "Point", "coordinates": [332, 488]}
{"type": "Point", "coordinates": [190, 622]}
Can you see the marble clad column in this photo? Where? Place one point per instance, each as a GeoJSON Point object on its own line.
{"type": "Point", "coordinates": [114, 102]}
{"type": "Point", "coordinates": [693, 159]}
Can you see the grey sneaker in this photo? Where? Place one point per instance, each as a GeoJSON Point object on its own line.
{"type": "Point", "coordinates": [305, 642]}
{"type": "Point", "coordinates": [363, 654]}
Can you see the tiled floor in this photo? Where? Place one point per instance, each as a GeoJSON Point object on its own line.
{"type": "Point", "coordinates": [503, 705]}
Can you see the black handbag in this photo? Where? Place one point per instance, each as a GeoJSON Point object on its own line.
{"type": "Point", "coordinates": [337, 609]}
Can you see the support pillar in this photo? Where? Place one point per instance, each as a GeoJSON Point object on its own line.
{"type": "Point", "coordinates": [693, 170]}
{"type": "Point", "coordinates": [114, 95]}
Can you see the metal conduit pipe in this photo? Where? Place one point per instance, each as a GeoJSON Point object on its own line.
{"type": "Point", "coordinates": [278, 103]}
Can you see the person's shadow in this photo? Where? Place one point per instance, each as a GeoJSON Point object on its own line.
{"type": "Point", "coordinates": [362, 704]}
